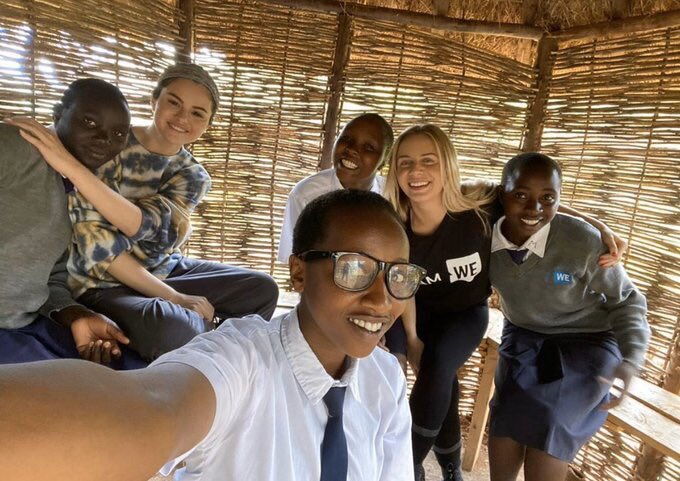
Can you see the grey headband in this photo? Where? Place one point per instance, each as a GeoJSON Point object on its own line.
{"type": "Point", "coordinates": [196, 73]}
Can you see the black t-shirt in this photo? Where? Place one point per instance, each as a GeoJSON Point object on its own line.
{"type": "Point", "coordinates": [456, 256]}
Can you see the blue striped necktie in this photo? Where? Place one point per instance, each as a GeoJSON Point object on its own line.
{"type": "Point", "coordinates": [334, 444]}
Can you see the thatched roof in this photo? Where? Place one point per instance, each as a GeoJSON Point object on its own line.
{"type": "Point", "coordinates": [549, 15]}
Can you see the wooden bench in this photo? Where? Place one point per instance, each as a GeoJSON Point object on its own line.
{"type": "Point", "coordinates": [649, 412]}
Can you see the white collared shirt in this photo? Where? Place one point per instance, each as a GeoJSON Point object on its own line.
{"type": "Point", "coordinates": [534, 244]}
{"type": "Point", "coordinates": [302, 194]}
{"type": "Point", "coordinates": [270, 415]}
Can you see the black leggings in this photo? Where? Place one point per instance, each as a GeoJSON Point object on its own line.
{"type": "Point", "coordinates": [449, 342]}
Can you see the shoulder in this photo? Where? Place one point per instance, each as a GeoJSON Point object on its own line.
{"type": "Point", "coordinates": [13, 144]}
{"type": "Point", "coordinates": [378, 184]}
{"type": "Point", "coordinates": [314, 186]}
{"type": "Point", "coordinates": [382, 376]}
{"type": "Point", "coordinates": [235, 341]}
{"type": "Point", "coordinates": [577, 233]}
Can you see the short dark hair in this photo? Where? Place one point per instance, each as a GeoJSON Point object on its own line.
{"type": "Point", "coordinates": [388, 133]}
{"type": "Point", "coordinates": [315, 220]}
{"type": "Point", "coordinates": [529, 159]}
{"type": "Point", "coordinates": [88, 85]}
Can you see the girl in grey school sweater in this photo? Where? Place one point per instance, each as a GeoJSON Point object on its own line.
{"type": "Point", "coordinates": [569, 324]}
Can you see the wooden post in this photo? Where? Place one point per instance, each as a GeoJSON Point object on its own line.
{"type": "Point", "coordinates": [336, 86]}
{"type": "Point", "coordinates": [544, 62]}
{"type": "Point", "coordinates": [408, 17]}
{"type": "Point", "coordinates": [186, 30]}
{"type": "Point", "coordinates": [480, 413]}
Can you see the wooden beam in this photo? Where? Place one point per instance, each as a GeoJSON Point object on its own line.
{"type": "Point", "coordinates": [336, 86]}
{"type": "Point", "coordinates": [544, 62]}
{"type": "Point", "coordinates": [618, 28]}
{"type": "Point", "coordinates": [407, 17]}
{"type": "Point", "coordinates": [186, 30]}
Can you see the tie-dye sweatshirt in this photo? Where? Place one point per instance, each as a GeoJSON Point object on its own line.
{"type": "Point", "coordinates": [165, 188]}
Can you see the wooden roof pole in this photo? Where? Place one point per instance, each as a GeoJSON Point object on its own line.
{"type": "Point", "coordinates": [618, 28]}
{"type": "Point", "coordinates": [186, 30]}
{"type": "Point", "coordinates": [544, 62]}
{"type": "Point", "coordinates": [414, 18]}
{"type": "Point", "coordinates": [336, 85]}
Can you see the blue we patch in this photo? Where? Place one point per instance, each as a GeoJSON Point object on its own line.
{"type": "Point", "coordinates": [562, 278]}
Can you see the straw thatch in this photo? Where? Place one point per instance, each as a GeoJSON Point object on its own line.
{"type": "Point", "coordinates": [609, 110]}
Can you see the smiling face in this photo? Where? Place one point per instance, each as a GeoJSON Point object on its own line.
{"type": "Point", "coordinates": [530, 196]}
{"type": "Point", "coordinates": [181, 113]}
{"type": "Point", "coordinates": [94, 127]}
{"type": "Point", "coordinates": [331, 318]}
{"type": "Point", "coordinates": [419, 169]}
{"type": "Point", "coordinates": [358, 152]}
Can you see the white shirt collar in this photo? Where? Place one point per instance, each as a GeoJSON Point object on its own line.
{"type": "Point", "coordinates": [307, 368]}
{"type": "Point", "coordinates": [535, 244]}
{"type": "Point", "coordinates": [377, 186]}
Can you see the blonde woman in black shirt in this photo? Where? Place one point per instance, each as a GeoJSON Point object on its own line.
{"type": "Point", "coordinates": [449, 230]}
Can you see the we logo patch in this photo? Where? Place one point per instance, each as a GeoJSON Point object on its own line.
{"type": "Point", "coordinates": [464, 268]}
{"type": "Point", "coordinates": [562, 278]}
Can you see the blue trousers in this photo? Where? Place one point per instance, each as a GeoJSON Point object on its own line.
{"type": "Point", "coordinates": [156, 326]}
{"type": "Point", "coordinates": [45, 339]}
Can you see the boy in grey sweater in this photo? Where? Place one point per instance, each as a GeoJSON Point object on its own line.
{"type": "Point", "coordinates": [569, 324]}
{"type": "Point", "coordinates": [38, 317]}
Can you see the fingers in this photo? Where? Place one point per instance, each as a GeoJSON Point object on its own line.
{"type": "Point", "coordinates": [615, 401]}
{"type": "Point", "coordinates": [611, 244]}
{"type": "Point", "coordinates": [28, 125]}
{"type": "Point", "coordinates": [615, 397]}
{"type": "Point", "coordinates": [607, 260]}
{"type": "Point", "coordinates": [117, 334]}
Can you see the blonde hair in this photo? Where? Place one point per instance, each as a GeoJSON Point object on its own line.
{"type": "Point", "coordinates": [452, 197]}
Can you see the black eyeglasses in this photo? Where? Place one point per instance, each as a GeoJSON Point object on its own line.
{"type": "Point", "coordinates": [354, 271]}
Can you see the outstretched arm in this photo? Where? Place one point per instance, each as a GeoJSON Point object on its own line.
{"type": "Point", "coordinates": [76, 421]}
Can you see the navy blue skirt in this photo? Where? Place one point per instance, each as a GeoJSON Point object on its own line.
{"type": "Point", "coordinates": [45, 339]}
{"type": "Point", "coordinates": [548, 395]}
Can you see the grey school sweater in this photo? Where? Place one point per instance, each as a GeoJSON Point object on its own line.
{"type": "Point", "coordinates": [34, 233]}
{"type": "Point", "coordinates": [567, 292]}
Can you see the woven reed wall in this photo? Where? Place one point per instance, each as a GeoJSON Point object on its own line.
{"type": "Point", "coordinates": [613, 121]}
{"type": "Point", "coordinates": [46, 45]}
{"type": "Point", "coordinates": [272, 66]}
{"type": "Point", "coordinates": [412, 75]}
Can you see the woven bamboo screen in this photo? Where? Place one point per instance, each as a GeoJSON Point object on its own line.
{"type": "Point", "coordinates": [412, 75]}
{"type": "Point", "coordinates": [46, 45]}
{"type": "Point", "coordinates": [272, 66]}
{"type": "Point", "coordinates": [613, 121]}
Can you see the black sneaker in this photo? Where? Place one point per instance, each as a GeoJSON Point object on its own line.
{"type": "Point", "coordinates": [452, 473]}
{"type": "Point", "coordinates": [420, 472]}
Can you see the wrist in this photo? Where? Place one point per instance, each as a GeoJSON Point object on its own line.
{"type": "Point", "coordinates": [70, 314]}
